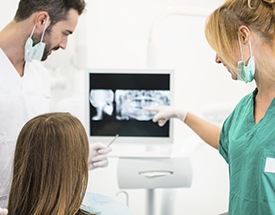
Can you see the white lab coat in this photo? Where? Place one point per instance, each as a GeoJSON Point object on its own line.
{"type": "Point", "coordinates": [21, 98]}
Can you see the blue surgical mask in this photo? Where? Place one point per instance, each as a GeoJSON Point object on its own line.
{"type": "Point", "coordinates": [246, 72]}
{"type": "Point", "coordinates": [35, 51]}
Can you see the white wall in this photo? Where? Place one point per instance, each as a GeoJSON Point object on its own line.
{"type": "Point", "coordinates": [7, 11]}
{"type": "Point", "coordinates": [115, 35]}
{"type": "Point", "coordinates": [118, 33]}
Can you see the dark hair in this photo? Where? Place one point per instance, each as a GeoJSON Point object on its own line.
{"type": "Point", "coordinates": [57, 9]}
{"type": "Point", "coordinates": [50, 172]}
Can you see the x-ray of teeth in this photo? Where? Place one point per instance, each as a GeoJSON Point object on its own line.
{"type": "Point", "coordinates": [117, 99]}
{"type": "Point", "coordinates": [130, 103]}
{"type": "Point", "coordinates": [102, 100]}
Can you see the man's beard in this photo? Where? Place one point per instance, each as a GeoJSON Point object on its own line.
{"type": "Point", "coordinates": [47, 35]}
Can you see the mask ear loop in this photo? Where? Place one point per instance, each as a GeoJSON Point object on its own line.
{"type": "Point", "coordinates": [239, 40]}
{"type": "Point", "coordinates": [43, 33]}
{"type": "Point", "coordinates": [250, 48]}
{"type": "Point", "coordinates": [34, 27]}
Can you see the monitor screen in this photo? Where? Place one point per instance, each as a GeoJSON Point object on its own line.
{"type": "Point", "coordinates": [115, 104]}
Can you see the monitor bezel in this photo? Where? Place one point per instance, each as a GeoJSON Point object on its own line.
{"type": "Point", "coordinates": [132, 139]}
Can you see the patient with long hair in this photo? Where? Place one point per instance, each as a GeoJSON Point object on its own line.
{"type": "Point", "coordinates": [50, 172]}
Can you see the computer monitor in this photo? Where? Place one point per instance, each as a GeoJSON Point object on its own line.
{"type": "Point", "coordinates": [115, 101]}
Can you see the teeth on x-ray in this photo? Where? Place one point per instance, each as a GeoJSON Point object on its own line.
{"type": "Point", "coordinates": [102, 100]}
{"type": "Point", "coordinates": [130, 103]}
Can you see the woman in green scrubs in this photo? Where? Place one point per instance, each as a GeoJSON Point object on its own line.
{"type": "Point", "coordinates": [242, 32]}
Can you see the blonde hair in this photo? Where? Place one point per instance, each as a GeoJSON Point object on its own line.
{"type": "Point", "coordinates": [222, 26]}
{"type": "Point", "coordinates": [50, 166]}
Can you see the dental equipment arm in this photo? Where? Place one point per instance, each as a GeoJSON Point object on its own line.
{"type": "Point", "coordinates": [207, 130]}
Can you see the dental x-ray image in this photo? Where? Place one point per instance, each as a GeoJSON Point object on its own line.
{"type": "Point", "coordinates": [102, 101]}
{"type": "Point", "coordinates": [130, 103]}
{"type": "Point", "coordinates": [116, 102]}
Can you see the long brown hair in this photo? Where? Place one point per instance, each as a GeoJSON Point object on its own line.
{"type": "Point", "coordinates": [50, 166]}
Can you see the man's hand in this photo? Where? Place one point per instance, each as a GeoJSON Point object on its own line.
{"type": "Point", "coordinates": [3, 211]}
{"type": "Point", "coordinates": [98, 155]}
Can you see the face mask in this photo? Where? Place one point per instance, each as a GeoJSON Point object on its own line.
{"type": "Point", "coordinates": [246, 73]}
{"type": "Point", "coordinates": [35, 51]}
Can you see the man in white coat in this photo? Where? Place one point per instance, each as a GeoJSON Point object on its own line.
{"type": "Point", "coordinates": [38, 28]}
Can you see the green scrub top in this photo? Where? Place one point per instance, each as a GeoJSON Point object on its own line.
{"type": "Point", "coordinates": [249, 149]}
